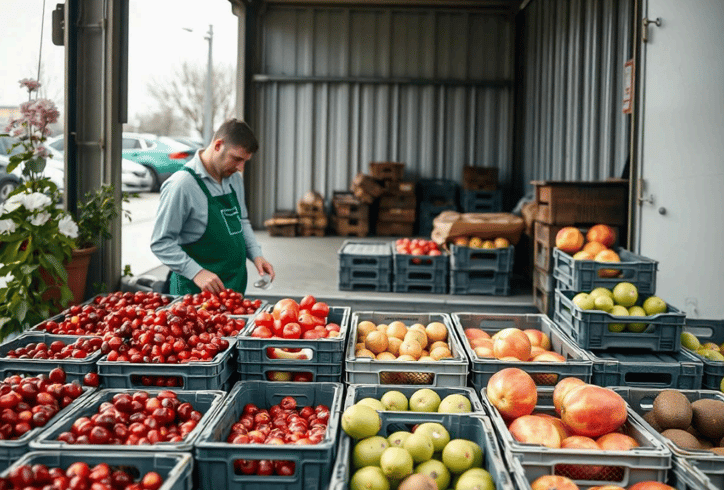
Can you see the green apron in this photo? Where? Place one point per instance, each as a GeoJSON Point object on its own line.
{"type": "Point", "coordinates": [221, 249]}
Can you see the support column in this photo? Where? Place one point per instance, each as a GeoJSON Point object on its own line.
{"type": "Point", "coordinates": [239, 10]}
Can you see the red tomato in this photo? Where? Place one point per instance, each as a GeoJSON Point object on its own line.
{"type": "Point", "coordinates": [285, 304]}
{"type": "Point", "coordinates": [289, 315]}
{"type": "Point", "coordinates": [307, 302]}
{"type": "Point", "coordinates": [332, 327]}
{"type": "Point", "coordinates": [292, 331]}
{"type": "Point", "coordinates": [312, 335]}
{"type": "Point", "coordinates": [262, 332]}
{"type": "Point", "coordinates": [307, 321]}
{"type": "Point", "coordinates": [417, 251]}
{"type": "Point", "coordinates": [320, 310]}
{"type": "Point", "coordinates": [264, 319]}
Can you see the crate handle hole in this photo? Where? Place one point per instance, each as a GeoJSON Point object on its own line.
{"type": "Point", "coordinates": [290, 376]}
{"type": "Point", "coordinates": [648, 379]}
{"type": "Point", "coordinates": [249, 467]}
{"type": "Point", "coordinates": [364, 261]}
{"type": "Point", "coordinates": [364, 274]}
{"type": "Point", "coordinates": [157, 381]}
{"type": "Point", "coordinates": [289, 353]}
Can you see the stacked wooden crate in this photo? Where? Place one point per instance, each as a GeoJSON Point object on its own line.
{"type": "Point", "coordinates": [350, 216]}
{"type": "Point", "coordinates": [561, 204]}
{"type": "Point", "coordinates": [396, 205]}
{"type": "Point", "coordinates": [312, 218]}
{"type": "Point", "coordinates": [366, 188]}
{"type": "Point", "coordinates": [282, 223]}
{"type": "Point", "coordinates": [480, 193]}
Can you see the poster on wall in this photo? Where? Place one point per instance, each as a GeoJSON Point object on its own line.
{"type": "Point", "coordinates": [628, 86]}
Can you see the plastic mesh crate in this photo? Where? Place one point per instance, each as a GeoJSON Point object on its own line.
{"type": "Point", "coordinates": [582, 275]}
{"type": "Point", "coordinates": [365, 254]}
{"type": "Point", "coordinates": [445, 372]}
{"type": "Point", "coordinates": [356, 393]}
{"type": "Point", "coordinates": [74, 369]}
{"type": "Point", "coordinates": [590, 327]}
{"type": "Point", "coordinates": [174, 468]}
{"type": "Point", "coordinates": [207, 402]}
{"type": "Point", "coordinates": [288, 370]}
{"type": "Point", "coordinates": [473, 259]}
{"type": "Point", "coordinates": [12, 449]}
{"type": "Point", "coordinates": [211, 375]}
{"type": "Point", "coordinates": [708, 331]}
{"type": "Point", "coordinates": [429, 264]}
{"type": "Point", "coordinates": [358, 280]}
{"type": "Point", "coordinates": [577, 363]}
{"type": "Point", "coordinates": [481, 201]}
{"type": "Point", "coordinates": [480, 282]}
{"type": "Point", "coordinates": [650, 461]}
{"type": "Point", "coordinates": [710, 464]}
{"type": "Point", "coordinates": [215, 457]}
{"type": "Point", "coordinates": [681, 370]}
{"type": "Point", "coordinates": [476, 428]}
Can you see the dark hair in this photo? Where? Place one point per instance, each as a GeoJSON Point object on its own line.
{"type": "Point", "coordinates": [237, 133]}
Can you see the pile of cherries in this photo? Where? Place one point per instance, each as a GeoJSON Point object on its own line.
{"type": "Point", "coordinates": [158, 381]}
{"type": "Point", "coordinates": [135, 419]}
{"type": "Point", "coordinates": [227, 301]}
{"type": "Point", "coordinates": [78, 475]}
{"type": "Point", "coordinates": [80, 349]}
{"type": "Point", "coordinates": [30, 402]}
{"type": "Point", "coordinates": [177, 335]}
{"type": "Point", "coordinates": [281, 424]}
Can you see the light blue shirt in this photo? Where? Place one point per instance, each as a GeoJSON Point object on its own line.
{"type": "Point", "coordinates": [183, 214]}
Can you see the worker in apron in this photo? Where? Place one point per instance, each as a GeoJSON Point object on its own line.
{"type": "Point", "coordinates": [202, 230]}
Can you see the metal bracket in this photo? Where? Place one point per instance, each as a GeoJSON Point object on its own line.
{"type": "Point", "coordinates": [640, 194]}
{"type": "Point", "coordinates": [645, 30]}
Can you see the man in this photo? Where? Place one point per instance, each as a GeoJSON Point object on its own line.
{"type": "Point", "coordinates": [202, 231]}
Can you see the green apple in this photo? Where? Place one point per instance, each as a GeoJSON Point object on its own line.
{"type": "Point", "coordinates": [396, 462]}
{"type": "Point", "coordinates": [690, 341]}
{"type": "Point", "coordinates": [368, 451]}
{"type": "Point", "coordinates": [477, 479]}
{"type": "Point", "coordinates": [372, 403]}
{"type": "Point", "coordinates": [625, 294]}
{"type": "Point", "coordinates": [601, 292]}
{"type": "Point", "coordinates": [636, 327]}
{"type": "Point", "coordinates": [435, 470]}
{"type": "Point", "coordinates": [394, 401]}
{"type": "Point", "coordinates": [420, 447]}
{"type": "Point", "coordinates": [369, 478]}
{"type": "Point", "coordinates": [617, 310]}
{"type": "Point", "coordinates": [584, 301]}
{"type": "Point", "coordinates": [455, 403]}
{"type": "Point", "coordinates": [424, 400]}
{"type": "Point", "coordinates": [603, 303]}
{"type": "Point", "coordinates": [458, 456]}
{"type": "Point", "coordinates": [654, 305]}
{"type": "Point", "coordinates": [437, 432]}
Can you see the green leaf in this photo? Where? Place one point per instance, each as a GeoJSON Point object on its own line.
{"type": "Point", "coordinates": [22, 310]}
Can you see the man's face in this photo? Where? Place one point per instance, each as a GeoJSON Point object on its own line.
{"type": "Point", "coordinates": [231, 159]}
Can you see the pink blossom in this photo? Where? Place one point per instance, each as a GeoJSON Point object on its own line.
{"type": "Point", "coordinates": [30, 84]}
{"type": "Point", "coordinates": [41, 151]}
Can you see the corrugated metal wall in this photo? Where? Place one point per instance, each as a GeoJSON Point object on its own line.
{"type": "Point", "coordinates": [574, 54]}
{"type": "Point", "coordinates": [340, 87]}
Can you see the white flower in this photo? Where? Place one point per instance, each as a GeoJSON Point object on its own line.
{"type": "Point", "coordinates": [4, 280]}
{"type": "Point", "coordinates": [14, 202]}
{"type": "Point", "coordinates": [68, 227]}
{"type": "Point", "coordinates": [36, 200]}
{"type": "Point", "coordinates": [7, 226]}
{"type": "Point", "coordinates": [40, 219]}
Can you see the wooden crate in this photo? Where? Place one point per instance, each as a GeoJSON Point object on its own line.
{"type": "Point", "coordinates": [349, 226]}
{"type": "Point", "coordinates": [543, 256]}
{"type": "Point", "coordinates": [309, 231]}
{"type": "Point", "coordinates": [568, 203]}
{"type": "Point", "coordinates": [286, 227]}
{"type": "Point", "coordinates": [389, 171]}
{"type": "Point", "coordinates": [543, 280]}
{"type": "Point", "coordinates": [480, 178]}
{"type": "Point", "coordinates": [391, 228]}
{"type": "Point", "coordinates": [317, 220]}
{"type": "Point", "coordinates": [399, 201]}
{"type": "Point", "coordinates": [398, 215]}
{"type": "Point", "coordinates": [366, 186]}
{"type": "Point", "coordinates": [345, 205]}
{"type": "Point", "coordinates": [543, 300]}
{"type": "Point", "coordinates": [396, 188]}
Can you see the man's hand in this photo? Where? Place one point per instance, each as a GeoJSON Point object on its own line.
{"type": "Point", "coordinates": [264, 267]}
{"type": "Point", "coordinates": [208, 281]}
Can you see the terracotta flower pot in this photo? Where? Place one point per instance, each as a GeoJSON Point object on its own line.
{"type": "Point", "coordinates": [77, 270]}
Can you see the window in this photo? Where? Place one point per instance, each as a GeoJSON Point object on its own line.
{"type": "Point", "coordinates": [131, 144]}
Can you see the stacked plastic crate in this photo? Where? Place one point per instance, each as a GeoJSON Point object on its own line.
{"type": "Point", "coordinates": [365, 266]}
{"type": "Point", "coordinates": [420, 273]}
{"type": "Point", "coordinates": [434, 197]}
{"type": "Point", "coordinates": [481, 271]}
{"type": "Point", "coordinates": [480, 193]}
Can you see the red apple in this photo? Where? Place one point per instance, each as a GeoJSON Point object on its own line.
{"type": "Point", "coordinates": [553, 482]}
{"type": "Point", "coordinates": [513, 392]}
{"type": "Point", "coordinates": [563, 431]}
{"type": "Point", "coordinates": [531, 429]}
{"type": "Point", "coordinates": [511, 342]}
{"type": "Point", "coordinates": [603, 234]}
{"type": "Point", "coordinates": [615, 441]}
{"type": "Point", "coordinates": [562, 388]}
{"type": "Point", "coordinates": [569, 239]}
{"type": "Point", "coordinates": [593, 411]}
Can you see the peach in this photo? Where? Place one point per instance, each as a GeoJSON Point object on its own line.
{"type": "Point", "coordinates": [501, 242]}
{"type": "Point", "coordinates": [531, 429]}
{"type": "Point", "coordinates": [594, 248]}
{"type": "Point", "coordinates": [376, 342]}
{"type": "Point", "coordinates": [615, 441]}
{"type": "Point", "coordinates": [593, 411]}
{"type": "Point", "coordinates": [537, 337]}
{"type": "Point", "coordinates": [397, 330]}
{"type": "Point", "coordinates": [411, 348]}
{"type": "Point", "coordinates": [608, 256]}
{"type": "Point", "coordinates": [535, 350]}
{"type": "Point", "coordinates": [569, 239]}
{"type": "Point", "coordinates": [484, 352]}
{"type": "Point", "coordinates": [436, 331]}
{"type": "Point", "coordinates": [548, 356]}
{"type": "Point", "coordinates": [579, 471]}
{"type": "Point", "coordinates": [583, 255]}
{"type": "Point", "coordinates": [512, 342]}
{"type": "Point", "coordinates": [473, 333]}
{"type": "Point", "coordinates": [603, 234]}
{"type": "Point", "coordinates": [513, 392]}
{"type": "Point", "coordinates": [563, 387]}
{"type": "Point", "coordinates": [553, 482]}
{"type": "Point", "coordinates": [560, 426]}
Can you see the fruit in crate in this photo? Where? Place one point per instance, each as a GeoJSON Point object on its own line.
{"type": "Point", "coordinates": [58, 349]}
{"type": "Point", "coordinates": [399, 342]}
{"type": "Point", "coordinates": [569, 239]}
{"type": "Point", "coordinates": [417, 246]}
{"type": "Point", "coordinates": [553, 482]}
{"type": "Point", "coordinates": [608, 256]}
{"type": "Point", "coordinates": [422, 400]}
{"type": "Point", "coordinates": [226, 301]}
{"type": "Point", "coordinates": [361, 421]}
{"type": "Point", "coordinates": [288, 319]}
{"type": "Point", "coordinates": [708, 350]}
{"type": "Point", "coordinates": [603, 234]}
{"type": "Point", "coordinates": [480, 243]}
{"type": "Point", "coordinates": [513, 392]}
{"type": "Point", "coordinates": [79, 475]}
{"type": "Point", "coordinates": [592, 411]}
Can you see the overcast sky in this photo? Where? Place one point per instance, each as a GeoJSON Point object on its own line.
{"type": "Point", "coordinates": [158, 45]}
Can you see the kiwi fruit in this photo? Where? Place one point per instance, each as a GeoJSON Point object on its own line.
{"type": "Point", "coordinates": [708, 418]}
{"type": "Point", "coordinates": [682, 438]}
{"type": "Point", "coordinates": [705, 443]}
{"type": "Point", "coordinates": [672, 410]}
{"type": "Point", "coordinates": [651, 419]}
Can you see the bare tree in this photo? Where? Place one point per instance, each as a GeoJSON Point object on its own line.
{"type": "Point", "coordinates": [184, 93]}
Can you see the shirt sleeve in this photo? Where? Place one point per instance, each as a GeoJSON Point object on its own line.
{"type": "Point", "coordinates": [253, 249]}
{"type": "Point", "coordinates": [174, 207]}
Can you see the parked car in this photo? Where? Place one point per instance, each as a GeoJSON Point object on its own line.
{"type": "Point", "coordinates": [8, 182]}
{"type": "Point", "coordinates": [162, 155]}
{"type": "Point", "coordinates": [134, 177]}
{"type": "Point", "coordinates": [195, 143]}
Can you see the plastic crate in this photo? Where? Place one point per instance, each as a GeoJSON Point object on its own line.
{"type": "Point", "coordinates": [174, 468]}
{"type": "Point", "coordinates": [248, 318]}
{"type": "Point", "coordinates": [481, 201]}
{"type": "Point", "coordinates": [582, 275]}
{"type": "Point", "coordinates": [365, 255]}
{"type": "Point", "coordinates": [710, 464]}
{"type": "Point", "coordinates": [438, 191]}
{"type": "Point", "coordinates": [427, 212]}
{"type": "Point", "coordinates": [357, 280]}
{"type": "Point", "coordinates": [323, 351]}
{"type": "Point", "coordinates": [215, 457]}
{"type": "Point", "coordinates": [356, 393]}
{"type": "Point", "coordinates": [476, 259]}
{"type": "Point", "coordinates": [331, 373]}
{"type": "Point", "coordinates": [408, 286]}
{"type": "Point", "coordinates": [12, 449]}
{"type": "Point", "coordinates": [429, 264]}
{"type": "Point", "coordinates": [207, 402]}
{"type": "Point", "coordinates": [680, 370]}
{"type": "Point", "coordinates": [577, 365]}
{"type": "Point", "coordinates": [708, 331]}
{"type": "Point", "coordinates": [445, 372]}
{"type": "Point", "coordinates": [590, 327]}
{"type": "Point", "coordinates": [197, 375]}
{"type": "Point", "coordinates": [74, 369]}
{"type": "Point", "coordinates": [650, 461]}
{"type": "Point", "coordinates": [480, 282]}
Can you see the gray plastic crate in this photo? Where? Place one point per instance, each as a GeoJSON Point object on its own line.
{"type": "Point", "coordinates": [438, 191]}
{"type": "Point", "coordinates": [582, 275]}
{"type": "Point", "coordinates": [710, 464]}
{"type": "Point", "coordinates": [74, 369]}
{"type": "Point", "coordinates": [577, 365]}
{"type": "Point", "coordinates": [480, 282]}
{"type": "Point", "coordinates": [708, 331]}
{"type": "Point", "coordinates": [590, 327]}
{"type": "Point", "coordinates": [361, 254]}
{"type": "Point", "coordinates": [382, 283]}
{"type": "Point", "coordinates": [650, 461]}
{"type": "Point", "coordinates": [431, 265]}
{"type": "Point", "coordinates": [12, 449]}
{"type": "Point", "coordinates": [197, 375]}
{"type": "Point", "coordinates": [474, 259]}
{"type": "Point", "coordinates": [356, 393]}
{"type": "Point", "coordinates": [476, 428]}
{"type": "Point", "coordinates": [330, 373]}
{"type": "Point", "coordinates": [207, 402]}
{"type": "Point", "coordinates": [426, 286]}
{"type": "Point", "coordinates": [680, 370]}
{"type": "Point", "coordinates": [481, 201]}
{"type": "Point", "coordinates": [445, 372]}
{"type": "Point", "coordinates": [215, 457]}
{"type": "Point", "coordinates": [427, 212]}
{"type": "Point", "coordinates": [174, 468]}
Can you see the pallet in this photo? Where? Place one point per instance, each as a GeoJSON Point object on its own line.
{"type": "Point", "coordinates": [568, 203]}
{"type": "Point", "coordinates": [480, 178]}
{"type": "Point", "coordinates": [277, 227]}
{"type": "Point", "coordinates": [313, 221]}
{"type": "Point", "coordinates": [350, 226]}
